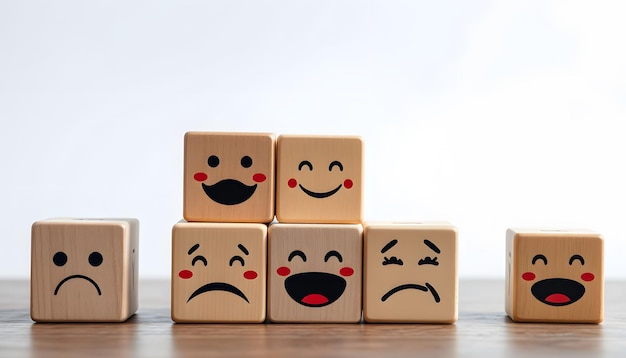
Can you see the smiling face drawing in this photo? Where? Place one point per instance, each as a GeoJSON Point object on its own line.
{"type": "Point", "coordinates": [335, 164]}
{"type": "Point", "coordinates": [218, 272]}
{"type": "Point", "coordinates": [229, 177]}
{"type": "Point", "coordinates": [410, 273]}
{"type": "Point", "coordinates": [319, 179]}
{"type": "Point", "coordinates": [314, 273]}
{"type": "Point", "coordinates": [554, 276]}
{"type": "Point", "coordinates": [315, 289]}
{"type": "Point", "coordinates": [557, 291]}
{"type": "Point", "coordinates": [229, 191]}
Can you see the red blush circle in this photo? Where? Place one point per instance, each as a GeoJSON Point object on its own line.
{"type": "Point", "coordinates": [292, 183]}
{"type": "Point", "coordinates": [259, 178]}
{"type": "Point", "coordinates": [348, 183]}
{"type": "Point", "coordinates": [283, 271]}
{"type": "Point", "coordinates": [185, 274]}
{"type": "Point", "coordinates": [250, 275]}
{"type": "Point", "coordinates": [587, 276]}
{"type": "Point", "coordinates": [200, 176]}
{"type": "Point", "coordinates": [346, 271]}
{"type": "Point", "coordinates": [528, 276]}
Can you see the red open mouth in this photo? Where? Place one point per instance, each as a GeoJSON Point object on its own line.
{"type": "Point", "coordinates": [315, 299]}
{"type": "Point", "coordinates": [557, 298]}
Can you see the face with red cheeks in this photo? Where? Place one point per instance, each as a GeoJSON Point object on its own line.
{"type": "Point", "coordinates": [560, 274]}
{"type": "Point", "coordinates": [218, 272]}
{"type": "Point", "coordinates": [332, 189]}
{"type": "Point", "coordinates": [229, 177]}
{"type": "Point", "coordinates": [229, 191]}
{"type": "Point", "coordinates": [198, 261]}
{"type": "Point", "coordinates": [315, 272]}
{"type": "Point", "coordinates": [319, 179]}
{"type": "Point", "coordinates": [315, 289]}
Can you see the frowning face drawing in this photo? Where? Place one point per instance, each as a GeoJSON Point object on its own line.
{"type": "Point", "coordinates": [218, 272]}
{"type": "Point", "coordinates": [410, 273]}
{"type": "Point", "coordinates": [83, 270]}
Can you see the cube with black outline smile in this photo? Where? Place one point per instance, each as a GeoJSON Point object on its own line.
{"type": "Point", "coordinates": [229, 177]}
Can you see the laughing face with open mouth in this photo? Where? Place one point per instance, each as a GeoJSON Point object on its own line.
{"type": "Point", "coordinates": [315, 273]}
{"type": "Point", "coordinates": [554, 276]}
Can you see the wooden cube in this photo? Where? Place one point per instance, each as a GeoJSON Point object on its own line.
{"type": "Point", "coordinates": [319, 179]}
{"type": "Point", "coordinates": [219, 272]}
{"type": "Point", "coordinates": [84, 270]}
{"type": "Point", "coordinates": [229, 177]}
{"type": "Point", "coordinates": [410, 273]}
{"type": "Point", "coordinates": [315, 272]}
{"type": "Point", "coordinates": [554, 276]}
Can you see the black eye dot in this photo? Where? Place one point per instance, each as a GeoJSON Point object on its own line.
{"type": "Point", "coordinates": [60, 258]}
{"type": "Point", "coordinates": [214, 161]}
{"type": "Point", "coordinates": [246, 161]}
{"type": "Point", "coordinates": [95, 258]}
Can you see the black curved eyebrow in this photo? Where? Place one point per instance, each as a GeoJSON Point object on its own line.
{"type": "Point", "coordinates": [389, 245]}
{"type": "Point", "coordinates": [577, 257]}
{"type": "Point", "coordinates": [193, 249]}
{"type": "Point", "coordinates": [540, 257]}
{"type": "Point", "coordinates": [303, 163]}
{"type": "Point", "coordinates": [432, 246]}
{"type": "Point", "coordinates": [236, 258]}
{"type": "Point", "coordinates": [297, 253]}
{"type": "Point", "coordinates": [331, 254]}
{"type": "Point", "coordinates": [199, 258]}
{"type": "Point", "coordinates": [335, 163]}
{"type": "Point", "coordinates": [243, 249]}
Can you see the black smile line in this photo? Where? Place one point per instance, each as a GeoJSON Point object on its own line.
{"type": "Point", "coordinates": [218, 286]}
{"type": "Point", "coordinates": [426, 288]}
{"type": "Point", "coordinates": [56, 290]}
{"type": "Point", "coordinates": [319, 195]}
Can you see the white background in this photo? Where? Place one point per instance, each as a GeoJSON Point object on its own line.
{"type": "Point", "coordinates": [485, 114]}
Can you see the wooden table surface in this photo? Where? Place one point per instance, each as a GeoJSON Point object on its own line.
{"type": "Point", "coordinates": [483, 330]}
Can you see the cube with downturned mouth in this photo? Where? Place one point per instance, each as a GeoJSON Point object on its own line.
{"type": "Point", "coordinates": [218, 272]}
{"type": "Point", "coordinates": [410, 273]}
{"type": "Point", "coordinates": [84, 270]}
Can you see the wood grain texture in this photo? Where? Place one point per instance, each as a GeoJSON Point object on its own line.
{"type": "Point", "coordinates": [483, 330]}
{"type": "Point", "coordinates": [219, 272]}
{"type": "Point", "coordinates": [410, 273]}
{"type": "Point", "coordinates": [84, 270]}
{"type": "Point", "coordinates": [229, 177]}
{"type": "Point", "coordinates": [315, 272]}
{"type": "Point", "coordinates": [319, 179]}
{"type": "Point", "coordinates": [555, 276]}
